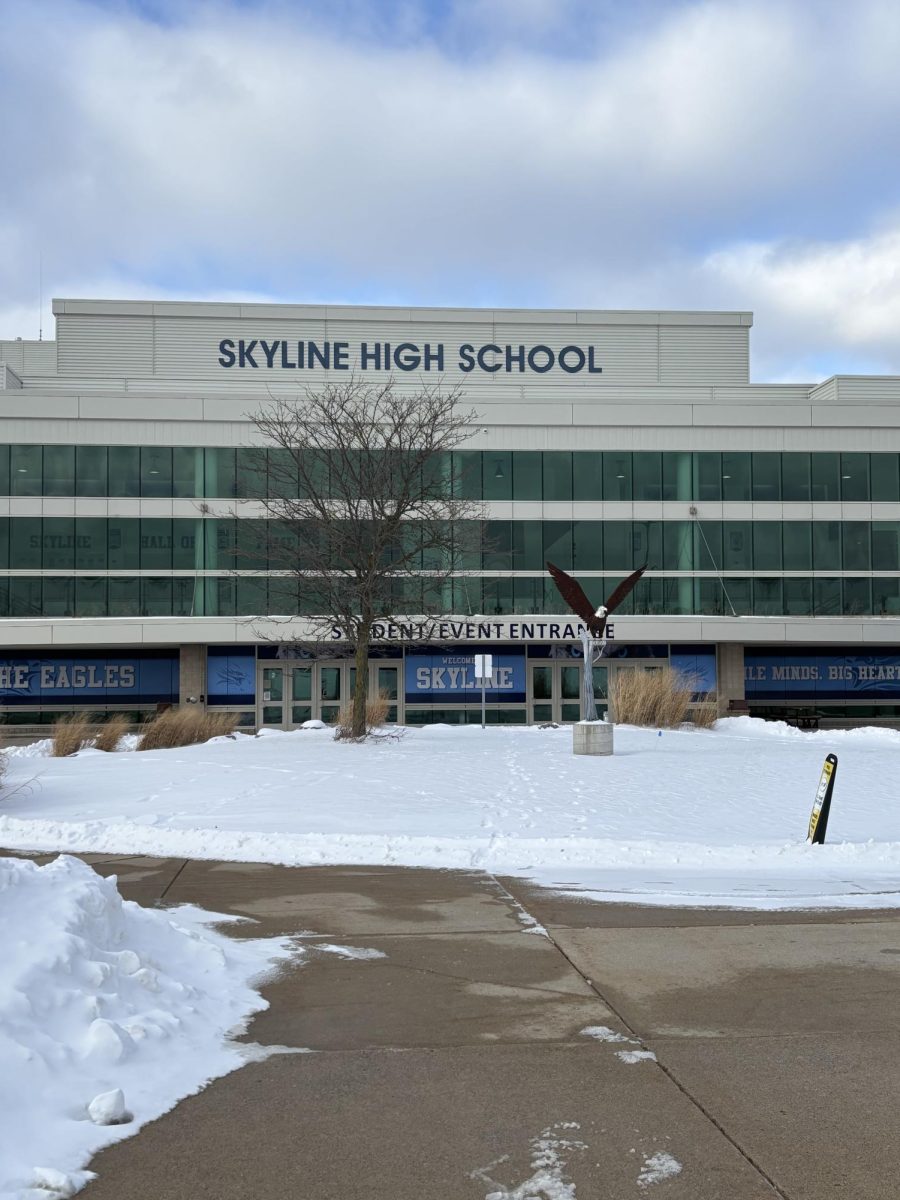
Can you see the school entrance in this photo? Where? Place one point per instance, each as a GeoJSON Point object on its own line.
{"type": "Point", "coordinates": [293, 691]}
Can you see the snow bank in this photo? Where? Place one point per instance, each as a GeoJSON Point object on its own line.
{"type": "Point", "coordinates": [109, 1012]}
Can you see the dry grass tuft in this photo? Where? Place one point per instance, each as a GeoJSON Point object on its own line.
{"type": "Point", "coordinates": [111, 733]}
{"type": "Point", "coordinates": [659, 698]}
{"type": "Point", "coordinates": [705, 712]}
{"type": "Point", "coordinates": [70, 734]}
{"type": "Point", "coordinates": [185, 727]}
{"type": "Point", "coordinates": [376, 716]}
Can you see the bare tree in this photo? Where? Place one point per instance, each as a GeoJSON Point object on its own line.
{"type": "Point", "coordinates": [365, 523]}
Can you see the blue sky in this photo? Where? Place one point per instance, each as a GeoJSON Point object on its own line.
{"type": "Point", "coordinates": [559, 153]}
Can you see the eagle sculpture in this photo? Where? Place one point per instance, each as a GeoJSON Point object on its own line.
{"type": "Point", "coordinates": [573, 594]}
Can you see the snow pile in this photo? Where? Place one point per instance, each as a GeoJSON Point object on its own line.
{"type": "Point", "coordinates": [683, 817]}
{"type": "Point", "coordinates": [109, 1014]}
{"type": "Point", "coordinates": [657, 1168]}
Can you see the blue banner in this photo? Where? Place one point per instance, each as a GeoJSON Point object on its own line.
{"type": "Point", "coordinates": [821, 676]}
{"type": "Point", "coordinates": [450, 678]}
{"type": "Point", "coordinates": [89, 679]}
{"type": "Point", "coordinates": [231, 675]}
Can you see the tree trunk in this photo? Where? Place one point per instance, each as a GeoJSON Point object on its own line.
{"type": "Point", "coordinates": [361, 691]}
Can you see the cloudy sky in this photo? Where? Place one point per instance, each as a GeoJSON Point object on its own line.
{"type": "Point", "coordinates": [558, 153]}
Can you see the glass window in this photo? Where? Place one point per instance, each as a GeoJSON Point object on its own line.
{"type": "Point", "coordinates": [90, 471]}
{"type": "Point", "coordinates": [527, 546]}
{"type": "Point", "coordinates": [527, 473]}
{"type": "Point", "coordinates": [90, 596]}
{"type": "Point", "coordinates": [25, 543]}
{"type": "Point", "coordinates": [678, 546]}
{"type": "Point", "coordinates": [558, 543]}
{"type": "Point", "coordinates": [528, 593]}
{"type": "Point", "coordinates": [767, 599]}
{"type": "Point", "coordinates": [616, 546]}
{"type": "Point", "coordinates": [498, 546]}
{"type": "Point", "coordinates": [220, 597]}
{"type": "Point", "coordinates": [826, 546]}
{"type": "Point", "coordinates": [25, 596]}
{"type": "Point", "coordinates": [678, 596]}
{"type": "Point", "coordinates": [737, 545]}
{"type": "Point", "coordinates": [646, 542]}
{"type": "Point", "coordinates": [497, 472]}
{"type": "Point", "coordinates": [616, 475]}
{"type": "Point", "coordinates": [59, 470]}
{"type": "Point", "coordinates": [252, 596]}
{"type": "Point", "coordinates": [766, 476]}
{"type": "Point", "coordinates": [156, 597]}
{"type": "Point", "coordinates": [58, 536]}
{"type": "Point", "coordinates": [156, 544]}
{"type": "Point", "coordinates": [587, 475]}
{"type": "Point", "coordinates": [885, 546]}
{"type": "Point", "coordinates": [187, 471]}
{"type": "Point", "coordinates": [183, 596]}
{"type": "Point", "coordinates": [25, 470]}
{"type": "Point", "coordinates": [124, 469]}
{"type": "Point", "coordinates": [187, 545]}
{"type": "Point", "coordinates": [736, 476]}
{"type": "Point", "coordinates": [708, 545]}
{"type": "Point", "coordinates": [797, 539]}
{"type": "Point", "coordinates": [798, 597]}
{"type": "Point", "coordinates": [90, 549]}
{"type": "Point", "coordinates": [825, 476]}
{"type": "Point", "coordinates": [857, 597]}
{"type": "Point", "coordinates": [856, 556]}
{"type": "Point", "coordinates": [826, 597]}
{"type": "Point", "coordinates": [123, 544]}
{"type": "Point", "coordinates": [467, 597]}
{"type": "Point", "coordinates": [886, 597]}
{"type": "Point", "coordinates": [156, 471]}
{"type": "Point", "coordinates": [707, 476]}
{"type": "Point", "coordinates": [854, 477]}
{"type": "Point", "coordinates": [587, 545]}
{"type": "Point", "coordinates": [677, 475]}
{"type": "Point", "coordinates": [4, 543]}
{"type": "Point", "coordinates": [4, 471]}
{"type": "Point", "coordinates": [219, 471]}
{"type": "Point", "coordinates": [59, 596]}
{"type": "Point", "coordinates": [557, 467]}
{"type": "Point", "coordinates": [498, 596]}
{"type": "Point", "coordinates": [250, 545]}
{"type": "Point", "coordinates": [795, 481]}
{"type": "Point", "coordinates": [767, 545]}
{"type": "Point", "coordinates": [885, 477]}
{"type": "Point", "coordinates": [646, 474]}
{"type": "Point", "coordinates": [250, 472]}
{"type": "Point", "coordinates": [711, 598]}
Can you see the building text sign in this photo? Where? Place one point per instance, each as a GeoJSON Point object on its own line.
{"type": "Point", "coordinates": [269, 354]}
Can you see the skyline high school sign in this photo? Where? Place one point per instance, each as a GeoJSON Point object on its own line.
{"type": "Point", "coordinates": [279, 354]}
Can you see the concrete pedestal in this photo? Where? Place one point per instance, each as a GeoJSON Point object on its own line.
{"type": "Point", "coordinates": [592, 737]}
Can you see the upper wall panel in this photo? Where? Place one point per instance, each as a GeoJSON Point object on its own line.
{"type": "Point", "coordinates": [262, 346]}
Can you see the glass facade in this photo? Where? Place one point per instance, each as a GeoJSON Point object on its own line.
{"type": "Point", "coordinates": [549, 475]}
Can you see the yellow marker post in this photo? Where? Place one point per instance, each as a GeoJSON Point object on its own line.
{"type": "Point", "coordinates": [818, 821]}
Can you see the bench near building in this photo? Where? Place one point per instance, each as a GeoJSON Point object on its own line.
{"type": "Point", "coordinates": [769, 514]}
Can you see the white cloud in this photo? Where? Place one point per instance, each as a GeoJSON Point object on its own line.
{"type": "Point", "coordinates": [730, 149]}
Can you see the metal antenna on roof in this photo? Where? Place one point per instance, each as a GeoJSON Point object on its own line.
{"type": "Point", "coordinates": [41, 296]}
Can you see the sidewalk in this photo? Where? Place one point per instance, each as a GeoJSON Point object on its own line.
{"type": "Point", "coordinates": [455, 1067]}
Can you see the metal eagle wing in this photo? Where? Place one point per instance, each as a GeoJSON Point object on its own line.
{"type": "Point", "coordinates": [572, 592]}
{"type": "Point", "coordinates": [618, 594]}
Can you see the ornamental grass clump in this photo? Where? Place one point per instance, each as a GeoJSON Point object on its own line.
{"type": "Point", "coordinates": [376, 716]}
{"type": "Point", "coordinates": [111, 733]}
{"type": "Point", "coordinates": [185, 727]}
{"type": "Point", "coordinates": [71, 733]}
{"type": "Point", "coordinates": [659, 698]}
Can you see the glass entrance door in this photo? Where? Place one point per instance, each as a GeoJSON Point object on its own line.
{"type": "Point", "coordinates": [293, 692]}
{"type": "Point", "coordinates": [554, 691]}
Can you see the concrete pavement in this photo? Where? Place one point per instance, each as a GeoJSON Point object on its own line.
{"type": "Point", "coordinates": [454, 1067]}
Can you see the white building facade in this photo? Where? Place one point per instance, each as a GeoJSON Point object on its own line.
{"type": "Point", "coordinates": [769, 514]}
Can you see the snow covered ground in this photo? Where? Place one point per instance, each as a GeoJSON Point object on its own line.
{"type": "Point", "coordinates": [688, 817]}
{"type": "Point", "coordinates": [109, 1014]}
